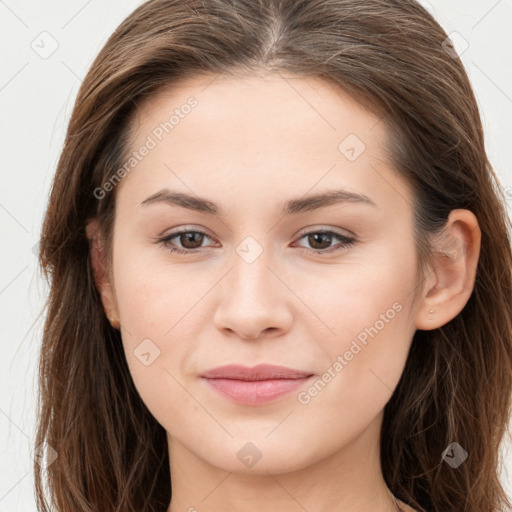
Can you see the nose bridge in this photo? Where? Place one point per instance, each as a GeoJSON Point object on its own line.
{"type": "Point", "coordinates": [251, 299]}
{"type": "Point", "coordinates": [251, 281]}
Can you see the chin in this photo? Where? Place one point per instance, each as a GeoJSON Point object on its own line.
{"type": "Point", "coordinates": [262, 457]}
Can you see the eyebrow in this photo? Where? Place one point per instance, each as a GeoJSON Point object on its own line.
{"type": "Point", "coordinates": [293, 206]}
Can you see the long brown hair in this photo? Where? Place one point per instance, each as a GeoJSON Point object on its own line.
{"type": "Point", "coordinates": [391, 56]}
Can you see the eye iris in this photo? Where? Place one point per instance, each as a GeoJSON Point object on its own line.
{"type": "Point", "coordinates": [190, 236]}
{"type": "Point", "coordinates": [312, 239]}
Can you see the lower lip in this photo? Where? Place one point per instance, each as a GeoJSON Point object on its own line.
{"type": "Point", "coordinates": [257, 391]}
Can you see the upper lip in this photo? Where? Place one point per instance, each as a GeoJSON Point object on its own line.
{"type": "Point", "coordinates": [259, 372]}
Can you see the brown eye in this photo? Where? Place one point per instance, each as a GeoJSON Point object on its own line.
{"type": "Point", "coordinates": [188, 241]}
{"type": "Point", "coordinates": [320, 241]}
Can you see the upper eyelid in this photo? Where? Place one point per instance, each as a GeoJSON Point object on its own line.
{"type": "Point", "coordinates": [302, 232]}
{"type": "Point", "coordinates": [312, 229]}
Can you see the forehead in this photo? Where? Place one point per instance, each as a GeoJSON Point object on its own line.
{"type": "Point", "coordinates": [269, 131]}
{"type": "Point", "coordinates": [278, 102]}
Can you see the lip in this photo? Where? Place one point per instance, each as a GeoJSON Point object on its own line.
{"type": "Point", "coordinates": [254, 385]}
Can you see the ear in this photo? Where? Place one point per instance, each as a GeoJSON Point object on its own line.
{"type": "Point", "coordinates": [449, 284]}
{"type": "Point", "coordinates": [100, 270]}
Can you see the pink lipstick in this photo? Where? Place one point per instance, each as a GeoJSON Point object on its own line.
{"type": "Point", "coordinates": [257, 385]}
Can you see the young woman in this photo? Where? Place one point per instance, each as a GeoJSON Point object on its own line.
{"type": "Point", "coordinates": [280, 269]}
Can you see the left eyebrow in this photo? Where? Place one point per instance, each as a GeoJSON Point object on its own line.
{"type": "Point", "coordinates": [291, 207]}
{"type": "Point", "coordinates": [323, 199]}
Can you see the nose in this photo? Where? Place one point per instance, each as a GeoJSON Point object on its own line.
{"type": "Point", "coordinates": [253, 301]}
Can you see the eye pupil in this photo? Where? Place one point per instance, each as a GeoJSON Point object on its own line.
{"type": "Point", "coordinates": [314, 237]}
{"type": "Point", "coordinates": [189, 237]}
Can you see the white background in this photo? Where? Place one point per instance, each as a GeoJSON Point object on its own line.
{"type": "Point", "coordinates": [36, 98]}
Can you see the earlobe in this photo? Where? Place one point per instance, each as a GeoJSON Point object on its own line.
{"type": "Point", "coordinates": [99, 268]}
{"type": "Point", "coordinates": [450, 282]}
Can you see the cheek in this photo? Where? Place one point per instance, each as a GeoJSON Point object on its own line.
{"type": "Point", "coordinates": [351, 299]}
{"type": "Point", "coordinates": [155, 295]}
{"type": "Point", "coordinates": [159, 304]}
{"type": "Point", "coordinates": [153, 318]}
{"type": "Point", "coordinates": [367, 324]}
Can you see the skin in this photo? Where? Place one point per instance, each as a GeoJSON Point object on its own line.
{"type": "Point", "coordinates": [250, 144]}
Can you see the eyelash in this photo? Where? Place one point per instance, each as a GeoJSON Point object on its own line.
{"type": "Point", "coordinates": [346, 241]}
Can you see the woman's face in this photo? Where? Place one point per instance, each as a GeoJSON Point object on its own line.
{"type": "Point", "coordinates": [254, 161]}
